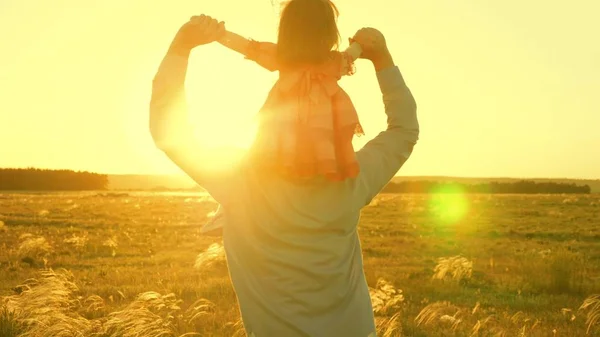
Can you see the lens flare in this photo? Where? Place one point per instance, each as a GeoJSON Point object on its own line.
{"type": "Point", "coordinates": [449, 203]}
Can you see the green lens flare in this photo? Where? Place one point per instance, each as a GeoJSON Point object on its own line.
{"type": "Point", "coordinates": [449, 203]}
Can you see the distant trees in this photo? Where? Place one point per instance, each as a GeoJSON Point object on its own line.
{"type": "Point", "coordinates": [32, 179]}
{"type": "Point", "coordinates": [519, 187]}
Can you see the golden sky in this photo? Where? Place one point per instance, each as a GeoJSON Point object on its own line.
{"type": "Point", "coordinates": [504, 88]}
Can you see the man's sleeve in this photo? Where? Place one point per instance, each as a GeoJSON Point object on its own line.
{"type": "Point", "coordinates": [381, 158]}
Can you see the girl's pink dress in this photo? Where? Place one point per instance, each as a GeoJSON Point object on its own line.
{"type": "Point", "coordinates": [308, 121]}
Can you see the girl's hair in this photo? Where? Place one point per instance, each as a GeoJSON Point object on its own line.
{"type": "Point", "coordinates": [308, 32]}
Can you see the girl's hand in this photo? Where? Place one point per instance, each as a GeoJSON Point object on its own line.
{"type": "Point", "coordinates": [197, 31]}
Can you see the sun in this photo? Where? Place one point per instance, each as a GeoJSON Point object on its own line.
{"type": "Point", "coordinates": [224, 96]}
{"type": "Point", "coordinates": [224, 139]}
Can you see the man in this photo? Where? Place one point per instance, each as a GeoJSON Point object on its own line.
{"type": "Point", "coordinates": [292, 247]}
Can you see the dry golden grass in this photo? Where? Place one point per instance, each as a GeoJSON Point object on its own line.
{"type": "Point", "coordinates": [137, 265]}
{"type": "Point", "coordinates": [46, 306]}
{"type": "Point", "coordinates": [456, 268]}
{"type": "Point", "coordinates": [213, 255]}
{"type": "Point", "coordinates": [385, 298]}
{"type": "Point", "coordinates": [592, 306]}
{"type": "Point", "coordinates": [150, 314]}
{"type": "Point", "coordinates": [389, 326]}
{"type": "Point", "coordinates": [34, 249]}
{"type": "Point", "coordinates": [79, 242]}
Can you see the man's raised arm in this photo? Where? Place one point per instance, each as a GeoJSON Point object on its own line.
{"type": "Point", "coordinates": [381, 158]}
{"type": "Point", "coordinates": [169, 122]}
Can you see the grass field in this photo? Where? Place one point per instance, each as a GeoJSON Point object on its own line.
{"type": "Point", "coordinates": [461, 265]}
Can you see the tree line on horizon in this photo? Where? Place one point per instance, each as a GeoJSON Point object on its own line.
{"type": "Point", "coordinates": [518, 187]}
{"type": "Point", "coordinates": [32, 179]}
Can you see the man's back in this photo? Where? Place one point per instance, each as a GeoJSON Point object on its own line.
{"type": "Point", "coordinates": [295, 259]}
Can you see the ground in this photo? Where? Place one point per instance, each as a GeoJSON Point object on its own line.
{"type": "Point", "coordinates": [523, 265]}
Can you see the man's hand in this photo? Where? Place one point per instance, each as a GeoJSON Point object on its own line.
{"type": "Point", "coordinates": [374, 47]}
{"type": "Point", "coordinates": [199, 30]}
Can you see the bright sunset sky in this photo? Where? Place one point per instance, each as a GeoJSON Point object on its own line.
{"type": "Point", "coordinates": [504, 88]}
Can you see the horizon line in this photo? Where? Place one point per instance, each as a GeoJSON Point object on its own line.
{"type": "Point", "coordinates": [395, 176]}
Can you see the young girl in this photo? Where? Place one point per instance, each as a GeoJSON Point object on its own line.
{"type": "Point", "coordinates": [307, 123]}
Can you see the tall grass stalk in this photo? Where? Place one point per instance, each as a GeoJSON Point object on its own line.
{"type": "Point", "coordinates": [456, 267]}
{"type": "Point", "coordinates": [592, 306]}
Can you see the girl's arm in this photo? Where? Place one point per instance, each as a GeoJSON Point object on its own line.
{"type": "Point", "coordinates": [235, 42]}
{"type": "Point", "coordinates": [354, 51]}
{"type": "Point", "coordinates": [263, 53]}
{"type": "Point", "coordinates": [347, 58]}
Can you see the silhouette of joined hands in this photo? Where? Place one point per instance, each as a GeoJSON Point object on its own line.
{"type": "Point", "coordinates": [372, 42]}
{"type": "Point", "coordinates": [199, 30]}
